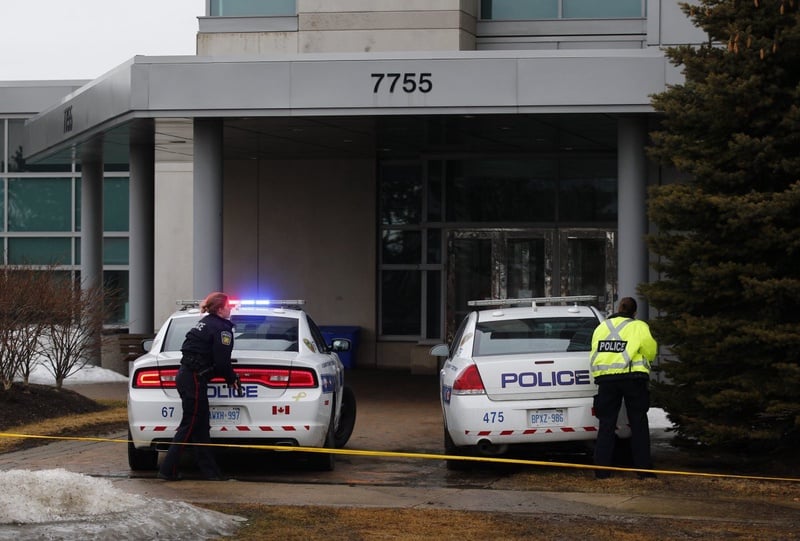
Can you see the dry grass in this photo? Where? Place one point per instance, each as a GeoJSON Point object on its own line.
{"type": "Point", "coordinates": [115, 416]}
{"type": "Point", "coordinates": [357, 524]}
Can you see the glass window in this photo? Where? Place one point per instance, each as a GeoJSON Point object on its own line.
{"type": "Point", "coordinates": [15, 134]}
{"type": "Point", "coordinates": [116, 210]}
{"type": "Point", "coordinates": [607, 9]}
{"type": "Point", "coordinates": [433, 311]}
{"type": "Point", "coordinates": [244, 8]}
{"type": "Point", "coordinates": [39, 204]}
{"type": "Point", "coordinates": [434, 246]}
{"type": "Point", "coordinates": [555, 9]}
{"type": "Point", "coordinates": [588, 191]}
{"type": "Point", "coordinates": [115, 204]}
{"type": "Point", "coordinates": [38, 251]}
{"type": "Point", "coordinates": [176, 333]}
{"type": "Point", "coordinates": [519, 9]}
{"type": "Point", "coordinates": [2, 205]}
{"type": "Point", "coordinates": [400, 247]}
{"type": "Point", "coordinates": [435, 191]}
{"type": "Point", "coordinates": [401, 194]}
{"type": "Point", "coordinates": [115, 251]}
{"type": "Point", "coordinates": [536, 335]}
{"type": "Point", "coordinates": [117, 293]}
{"type": "Point", "coordinates": [501, 191]}
{"type": "Point", "coordinates": [400, 299]}
{"type": "Point", "coordinates": [2, 146]}
{"type": "Point", "coordinates": [265, 333]}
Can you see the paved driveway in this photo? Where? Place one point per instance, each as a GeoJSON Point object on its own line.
{"type": "Point", "coordinates": [397, 412]}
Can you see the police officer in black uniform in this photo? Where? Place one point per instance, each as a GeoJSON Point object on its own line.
{"type": "Point", "coordinates": [206, 354]}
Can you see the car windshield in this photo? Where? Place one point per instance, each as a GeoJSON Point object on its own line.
{"type": "Point", "coordinates": [251, 332]}
{"type": "Point", "coordinates": [534, 335]}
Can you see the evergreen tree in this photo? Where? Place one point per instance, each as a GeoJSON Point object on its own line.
{"type": "Point", "coordinates": [728, 237]}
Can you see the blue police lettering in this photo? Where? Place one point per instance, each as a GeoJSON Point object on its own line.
{"type": "Point", "coordinates": [545, 379]}
{"type": "Point", "coordinates": [611, 346]}
{"type": "Point", "coordinates": [218, 391]}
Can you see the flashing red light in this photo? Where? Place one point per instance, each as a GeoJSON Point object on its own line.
{"type": "Point", "coordinates": [469, 382]}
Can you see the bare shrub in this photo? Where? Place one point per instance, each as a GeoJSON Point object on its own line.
{"type": "Point", "coordinates": [22, 320]}
{"type": "Point", "coordinates": [72, 332]}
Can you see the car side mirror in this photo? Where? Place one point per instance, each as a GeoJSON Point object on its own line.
{"type": "Point", "coordinates": [147, 345]}
{"type": "Point", "coordinates": [440, 350]}
{"type": "Point", "coordinates": [340, 344]}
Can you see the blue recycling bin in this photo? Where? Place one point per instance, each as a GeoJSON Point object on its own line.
{"type": "Point", "coordinates": [350, 332]}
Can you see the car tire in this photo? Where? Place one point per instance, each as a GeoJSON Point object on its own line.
{"type": "Point", "coordinates": [141, 459]}
{"type": "Point", "coordinates": [347, 418]}
{"type": "Point", "coordinates": [324, 461]}
{"type": "Point", "coordinates": [451, 449]}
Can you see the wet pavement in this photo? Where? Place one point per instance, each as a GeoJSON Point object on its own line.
{"type": "Point", "coordinates": [397, 412]}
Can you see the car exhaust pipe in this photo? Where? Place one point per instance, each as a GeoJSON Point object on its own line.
{"type": "Point", "coordinates": [487, 448]}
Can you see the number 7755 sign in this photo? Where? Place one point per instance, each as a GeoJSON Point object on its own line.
{"type": "Point", "coordinates": [408, 82]}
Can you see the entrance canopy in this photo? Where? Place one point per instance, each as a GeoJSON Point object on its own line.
{"type": "Point", "coordinates": [341, 87]}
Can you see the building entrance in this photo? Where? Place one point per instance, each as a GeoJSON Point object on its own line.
{"type": "Point", "coordinates": [513, 263]}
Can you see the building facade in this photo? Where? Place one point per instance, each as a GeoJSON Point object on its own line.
{"type": "Point", "coordinates": [386, 161]}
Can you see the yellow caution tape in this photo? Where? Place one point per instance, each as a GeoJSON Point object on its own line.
{"type": "Point", "coordinates": [427, 456]}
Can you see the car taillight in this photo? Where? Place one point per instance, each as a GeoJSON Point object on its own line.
{"type": "Point", "coordinates": [469, 382]}
{"type": "Point", "coordinates": [277, 378]}
{"type": "Point", "coordinates": [150, 378]}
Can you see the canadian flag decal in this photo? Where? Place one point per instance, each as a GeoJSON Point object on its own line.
{"type": "Point", "coordinates": [280, 409]}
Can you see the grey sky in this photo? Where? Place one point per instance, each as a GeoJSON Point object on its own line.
{"type": "Point", "coordinates": [83, 39]}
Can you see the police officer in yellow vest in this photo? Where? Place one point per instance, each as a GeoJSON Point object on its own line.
{"type": "Point", "coordinates": [622, 350]}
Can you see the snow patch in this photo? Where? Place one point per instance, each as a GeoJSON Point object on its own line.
{"type": "Point", "coordinates": [58, 504]}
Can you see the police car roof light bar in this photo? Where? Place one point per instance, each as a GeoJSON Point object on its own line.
{"type": "Point", "coordinates": [533, 301]}
{"type": "Point", "coordinates": [275, 303]}
{"type": "Point", "coordinates": [249, 303]}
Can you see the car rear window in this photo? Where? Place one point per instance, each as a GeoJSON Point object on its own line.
{"type": "Point", "coordinates": [534, 335]}
{"type": "Point", "coordinates": [251, 332]}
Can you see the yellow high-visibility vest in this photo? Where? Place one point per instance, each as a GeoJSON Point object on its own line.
{"type": "Point", "coordinates": [621, 345]}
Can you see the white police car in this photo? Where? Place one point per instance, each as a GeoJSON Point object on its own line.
{"type": "Point", "coordinates": [519, 373]}
{"type": "Point", "coordinates": [293, 391]}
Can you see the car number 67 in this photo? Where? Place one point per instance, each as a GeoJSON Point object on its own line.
{"type": "Point", "coordinates": [167, 411]}
{"type": "Point", "coordinates": [491, 417]}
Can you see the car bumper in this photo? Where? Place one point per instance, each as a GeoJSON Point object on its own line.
{"type": "Point", "coordinates": [474, 419]}
{"type": "Point", "coordinates": [154, 417]}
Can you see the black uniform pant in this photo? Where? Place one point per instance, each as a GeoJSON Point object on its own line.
{"type": "Point", "coordinates": [194, 426]}
{"type": "Point", "coordinates": [636, 392]}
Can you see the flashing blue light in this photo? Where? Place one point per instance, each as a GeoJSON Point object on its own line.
{"type": "Point", "coordinates": [266, 302]}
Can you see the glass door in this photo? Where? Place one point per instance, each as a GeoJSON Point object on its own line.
{"type": "Point", "coordinates": [495, 264]}
{"type": "Point", "coordinates": [589, 264]}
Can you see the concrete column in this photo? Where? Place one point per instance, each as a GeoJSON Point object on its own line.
{"type": "Point", "coordinates": [92, 234]}
{"type": "Point", "coordinates": [142, 189]}
{"type": "Point", "coordinates": [92, 221]}
{"type": "Point", "coordinates": [207, 206]}
{"type": "Point", "coordinates": [632, 219]}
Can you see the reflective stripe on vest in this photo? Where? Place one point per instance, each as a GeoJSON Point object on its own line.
{"type": "Point", "coordinates": [614, 335]}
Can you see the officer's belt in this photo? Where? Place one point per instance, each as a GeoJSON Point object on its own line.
{"type": "Point", "coordinates": [196, 362]}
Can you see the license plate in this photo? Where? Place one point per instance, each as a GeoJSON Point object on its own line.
{"type": "Point", "coordinates": [224, 415]}
{"type": "Point", "coordinates": [546, 418]}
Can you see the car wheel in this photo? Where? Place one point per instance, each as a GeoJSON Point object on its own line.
{"type": "Point", "coordinates": [324, 461]}
{"type": "Point", "coordinates": [141, 459]}
{"type": "Point", "coordinates": [347, 418]}
{"type": "Point", "coordinates": [451, 449]}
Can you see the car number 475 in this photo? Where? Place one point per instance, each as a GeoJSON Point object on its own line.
{"type": "Point", "coordinates": [491, 417]}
